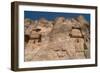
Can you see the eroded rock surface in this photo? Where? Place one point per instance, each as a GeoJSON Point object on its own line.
{"type": "Point", "coordinates": [60, 39]}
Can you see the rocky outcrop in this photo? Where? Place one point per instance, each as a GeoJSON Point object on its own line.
{"type": "Point", "coordinates": [60, 39]}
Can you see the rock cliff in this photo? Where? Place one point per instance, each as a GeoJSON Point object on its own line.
{"type": "Point", "coordinates": [60, 39]}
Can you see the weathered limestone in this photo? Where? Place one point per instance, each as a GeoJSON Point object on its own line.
{"type": "Point", "coordinates": [76, 33]}
{"type": "Point", "coordinates": [60, 39]}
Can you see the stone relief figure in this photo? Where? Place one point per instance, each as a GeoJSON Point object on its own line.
{"type": "Point", "coordinates": [60, 39]}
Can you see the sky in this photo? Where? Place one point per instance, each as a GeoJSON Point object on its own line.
{"type": "Point", "coordinates": [36, 15]}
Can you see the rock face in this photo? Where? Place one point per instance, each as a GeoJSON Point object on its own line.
{"type": "Point", "coordinates": [60, 39]}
